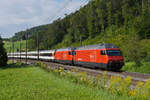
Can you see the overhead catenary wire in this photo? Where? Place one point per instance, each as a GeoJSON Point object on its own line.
{"type": "Point", "coordinates": [64, 6]}
{"type": "Point", "coordinates": [57, 12]}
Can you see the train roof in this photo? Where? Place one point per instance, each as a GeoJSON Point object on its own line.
{"type": "Point", "coordinates": [47, 51]}
{"type": "Point", "coordinates": [66, 49]}
{"type": "Point", "coordinates": [32, 52]}
{"type": "Point", "coordinates": [14, 53]}
{"type": "Point", "coordinates": [99, 46]}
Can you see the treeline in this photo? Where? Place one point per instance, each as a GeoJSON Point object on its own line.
{"type": "Point", "coordinates": [22, 35]}
{"type": "Point", "coordinates": [125, 23]}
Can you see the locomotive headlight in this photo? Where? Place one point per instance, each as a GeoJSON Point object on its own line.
{"type": "Point", "coordinates": [110, 61]}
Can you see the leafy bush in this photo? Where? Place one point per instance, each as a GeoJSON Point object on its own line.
{"type": "Point", "coordinates": [41, 64]}
{"type": "Point", "coordinates": [131, 67]}
{"type": "Point", "coordinates": [19, 63]}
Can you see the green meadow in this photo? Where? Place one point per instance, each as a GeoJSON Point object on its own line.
{"type": "Point", "coordinates": [33, 83]}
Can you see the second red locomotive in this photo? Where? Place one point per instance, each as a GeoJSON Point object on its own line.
{"type": "Point", "coordinates": [107, 56]}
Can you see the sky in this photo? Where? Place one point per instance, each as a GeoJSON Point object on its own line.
{"type": "Point", "coordinates": [19, 15]}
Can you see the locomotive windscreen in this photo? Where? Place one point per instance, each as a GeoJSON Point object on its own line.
{"type": "Point", "coordinates": [113, 52]}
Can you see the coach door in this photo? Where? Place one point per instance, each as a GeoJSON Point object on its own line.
{"type": "Point", "coordinates": [103, 56]}
{"type": "Point", "coordinates": [72, 53]}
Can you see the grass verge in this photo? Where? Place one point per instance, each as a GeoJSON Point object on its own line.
{"type": "Point", "coordinates": [115, 85]}
{"type": "Point", "coordinates": [132, 67]}
{"type": "Point", "coordinates": [32, 83]}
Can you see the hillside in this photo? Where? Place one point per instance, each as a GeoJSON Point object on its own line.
{"type": "Point", "coordinates": [9, 46]}
{"type": "Point", "coordinates": [32, 31]}
{"type": "Point", "coordinates": [124, 23]}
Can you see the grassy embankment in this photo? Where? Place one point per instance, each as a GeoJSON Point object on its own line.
{"type": "Point", "coordinates": [28, 82]}
{"type": "Point", "coordinates": [131, 67]}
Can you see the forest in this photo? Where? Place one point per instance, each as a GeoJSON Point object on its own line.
{"type": "Point", "coordinates": [125, 23]}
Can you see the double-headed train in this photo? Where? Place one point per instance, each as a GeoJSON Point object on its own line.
{"type": "Point", "coordinates": [105, 56]}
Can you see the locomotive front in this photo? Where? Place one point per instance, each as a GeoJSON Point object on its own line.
{"type": "Point", "coordinates": [115, 58]}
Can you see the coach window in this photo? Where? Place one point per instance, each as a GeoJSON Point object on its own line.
{"type": "Point", "coordinates": [33, 54]}
{"type": "Point", "coordinates": [50, 54]}
{"type": "Point", "coordinates": [103, 52]}
{"type": "Point", "coordinates": [46, 54]}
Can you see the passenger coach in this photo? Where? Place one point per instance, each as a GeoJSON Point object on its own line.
{"type": "Point", "coordinates": [47, 55]}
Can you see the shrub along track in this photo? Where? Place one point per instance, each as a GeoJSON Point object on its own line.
{"type": "Point", "coordinates": [136, 77]}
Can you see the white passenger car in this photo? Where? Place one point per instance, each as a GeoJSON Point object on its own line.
{"type": "Point", "coordinates": [47, 55]}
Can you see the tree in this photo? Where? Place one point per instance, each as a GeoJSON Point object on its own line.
{"type": "Point", "coordinates": [125, 14]}
{"type": "Point", "coordinates": [109, 13]}
{"type": "Point", "coordinates": [3, 54]}
{"type": "Point", "coordinates": [132, 49]}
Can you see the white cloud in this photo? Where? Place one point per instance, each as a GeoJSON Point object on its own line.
{"type": "Point", "coordinates": [17, 15]}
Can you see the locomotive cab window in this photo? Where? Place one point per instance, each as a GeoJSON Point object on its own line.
{"type": "Point", "coordinates": [113, 52]}
{"type": "Point", "coordinates": [103, 52]}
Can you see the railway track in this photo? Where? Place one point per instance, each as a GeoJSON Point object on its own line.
{"type": "Point", "coordinates": [136, 77]}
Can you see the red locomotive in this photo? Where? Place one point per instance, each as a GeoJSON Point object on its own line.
{"type": "Point", "coordinates": [64, 56]}
{"type": "Point", "coordinates": [107, 56]}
